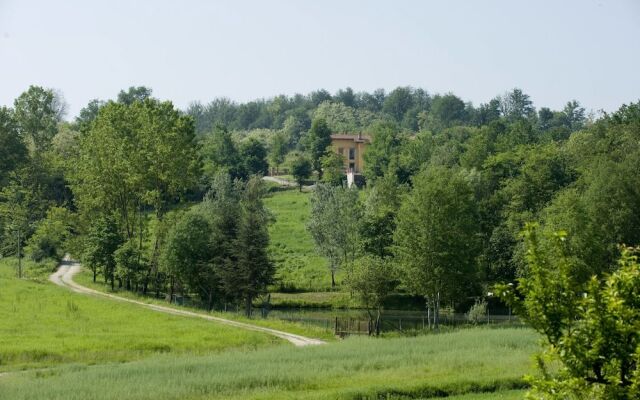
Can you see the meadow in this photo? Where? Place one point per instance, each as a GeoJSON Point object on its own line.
{"type": "Point", "coordinates": [300, 268]}
{"type": "Point", "coordinates": [470, 363]}
{"type": "Point", "coordinates": [85, 278]}
{"type": "Point", "coordinates": [44, 325]}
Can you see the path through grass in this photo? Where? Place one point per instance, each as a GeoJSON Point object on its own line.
{"type": "Point", "coordinates": [44, 325]}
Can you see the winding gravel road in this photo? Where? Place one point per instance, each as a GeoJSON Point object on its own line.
{"type": "Point", "coordinates": [68, 268]}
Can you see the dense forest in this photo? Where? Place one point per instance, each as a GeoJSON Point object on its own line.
{"type": "Point", "coordinates": [162, 200]}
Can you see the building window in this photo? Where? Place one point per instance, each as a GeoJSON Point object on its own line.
{"type": "Point", "coordinates": [352, 153]}
{"type": "Point", "coordinates": [341, 151]}
{"type": "Point", "coordinates": [352, 167]}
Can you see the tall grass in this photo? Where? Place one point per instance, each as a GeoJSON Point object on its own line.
{"type": "Point", "coordinates": [43, 325]}
{"type": "Point", "coordinates": [467, 361]}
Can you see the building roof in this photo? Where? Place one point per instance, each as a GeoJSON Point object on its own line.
{"type": "Point", "coordinates": [358, 138]}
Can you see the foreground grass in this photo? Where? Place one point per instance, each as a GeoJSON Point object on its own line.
{"type": "Point", "coordinates": [85, 278]}
{"type": "Point", "coordinates": [292, 248]}
{"type": "Point", "coordinates": [459, 363]}
{"type": "Point", "coordinates": [44, 325]}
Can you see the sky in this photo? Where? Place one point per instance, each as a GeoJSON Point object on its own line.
{"type": "Point", "coordinates": [191, 50]}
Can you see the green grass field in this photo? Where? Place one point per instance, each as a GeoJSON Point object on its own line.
{"type": "Point", "coordinates": [298, 264]}
{"type": "Point", "coordinates": [44, 325]}
{"type": "Point", "coordinates": [85, 278]}
{"type": "Point", "coordinates": [460, 363]}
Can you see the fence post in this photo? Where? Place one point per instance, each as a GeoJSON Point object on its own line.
{"type": "Point", "coordinates": [335, 332]}
{"type": "Point", "coordinates": [400, 323]}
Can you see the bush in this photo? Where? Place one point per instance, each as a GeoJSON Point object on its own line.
{"type": "Point", "coordinates": [477, 312]}
{"type": "Point", "coordinates": [51, 235]}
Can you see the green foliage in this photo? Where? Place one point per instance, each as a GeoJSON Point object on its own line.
{"type": "Point", "coordinates": [301, 169]}
{"type": "Point", "coordinates": [371, 279]}
{"type": "Point", "coordinates": [254, 155]}
{"type": "Point", "coordinates": [51, 236]}
{"type": "Point", "coordinates": [379, 217]}
{"type": "Point", "coordinates": [384, 150]}
{"type": "Point", "coordinates": [187, 253]}
{"type": "Point", "coordinates": [436, 235]}
{"type": "Point", "coordinates": [253, 270]}
{"type": "Point", "coordinates": [344, 118]}
{"type": "Point", "coordinates": [590, 324]}
{"type": "Point", "coordinates": [133, 94]}
{"type": "Point", "coordinates": [477, 312]}
{"type": "Point", "coordinates": [318, 140]}
{"type": "Point", "coordinates": [446, 111]}
{"type": "Point", "coordinates": [101, 241]}
{"type": "Point", "coordinates": [335, 215]}
{"type": "Point", "coordinates": [130, 264]}
{"type": "Point", "coordinates": [13, 152]}
{"type": "Point", "coordinates": [37, 112]}
{"type": "Point", "coordinates": [332, 168]}
{"type": "Point", "coordinates": [220, 154]}
{"type": "Point", "coordinates": [278, 148]}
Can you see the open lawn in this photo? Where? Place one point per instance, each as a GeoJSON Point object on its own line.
{"type": "Point", "coordinates": [458, 363]}
{"type": "Point", "coordinates": [44, 325]}
{"type": "Point", "coordinates": [298, 264]}
{"type": "Point", "coordinates": [85, 278]}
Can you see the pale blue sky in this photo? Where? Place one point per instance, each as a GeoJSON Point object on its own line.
{"type": "Point", "coordinates": [199, 50]}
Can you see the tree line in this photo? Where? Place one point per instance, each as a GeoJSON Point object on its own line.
{"type": "Point", "coordinates": [446, 197]}
{"type": "Point", "coordinates": [446, 208]}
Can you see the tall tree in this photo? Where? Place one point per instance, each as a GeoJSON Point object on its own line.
{"type": "Point", "coordinates": [254, 155]}
{"type": "Point", "coordinates": [13, 152]}
{"type": "Point", "coordinates": [255, 268]}
{"type": "Point", "coordinates": [319, 139]}
{"type": "Point", "coordinates": [333, 168]}
{"type": "Point", "coordinates": [100, 244]}
{"type": "Point", "coordinates": [133, 94]}
{"type": "Point", "coordinates": [435, 239]}
{"type": "Point", "coordinates": [335, 216]}
{"type": "Point", "coordinates": [220, 154]}
{"type": "Point", "coordinates": [516, 104]}
{"type": "Point", "coordinates": [37, 114]}
{"type": "Point", "coordinates": [301, 170]}
{"type": "Point", "coordinates": [372, 280]}
{"type": "Point", "coordinates": [278, 148]}
{"type": "Point", "coordinates": [187, 257]}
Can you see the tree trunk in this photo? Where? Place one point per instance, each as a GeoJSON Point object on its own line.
{"type": "Point", "coordinates": [171, 290]}
{"type": "Point", "coordinates": [95, 272]}
{"type": "Point", "coordinates": [378, 323]}
{"type": "Point", "coordinates": [248, 306]}
{"type": "Point", "coordinates": [437, 311]}
{"type": "Point", "coordinates": [333, 279]}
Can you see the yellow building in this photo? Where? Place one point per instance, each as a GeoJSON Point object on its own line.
{"type": "Point", "coordinates": [351, 148]}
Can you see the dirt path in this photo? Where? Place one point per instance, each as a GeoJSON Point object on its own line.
{"type": "Point", "coordinates": [64, 277]}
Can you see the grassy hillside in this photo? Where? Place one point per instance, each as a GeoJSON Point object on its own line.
{"type": "Point", "coordinates": [462, 362]}
{"type": "Point", "coordinates": [298, 264]}
{"type": "Point", "coordinates": [44, 325]}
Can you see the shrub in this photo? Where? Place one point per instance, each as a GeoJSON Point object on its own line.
{"type": "Point", "coordinates": [477, 312]}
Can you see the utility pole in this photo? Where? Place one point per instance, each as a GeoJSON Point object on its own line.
{"type": "Point", "coordinates": [19, 254]}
